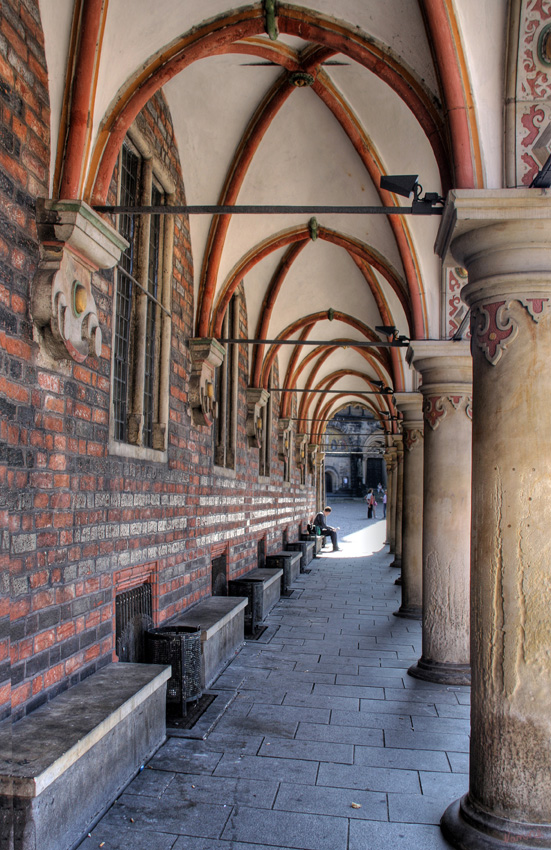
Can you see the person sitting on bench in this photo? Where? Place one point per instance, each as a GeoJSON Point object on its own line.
{"type": "Point", "coordinates": [320, 521]}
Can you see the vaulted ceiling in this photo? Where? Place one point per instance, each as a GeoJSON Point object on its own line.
{"type": "Point", "coordinates": [302, 105]}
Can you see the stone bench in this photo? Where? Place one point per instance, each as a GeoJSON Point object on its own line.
{"type": "Point", "coordinates": [317, 539]}
{"type": "Point", "coordinates": [262, 586]}
{"type": "Point", "coordinates": [72, 757]}
{"type": "Point", "coordinates": [221, 620]}
{"type": "Point", "coordinates": [306, 548]}
{"type": "Point", "coordinates": [289, 562]}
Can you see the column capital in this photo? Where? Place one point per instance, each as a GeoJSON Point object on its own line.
{"type": "Point", "coordinates": [445, 365]}
{"type": "Point", "coordinates": [410, 406]}
{"type": "Point", "coordinates": [503, 238]}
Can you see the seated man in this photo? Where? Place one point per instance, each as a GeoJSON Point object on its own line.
{"type": "Point", "coordinates": [320, 521]}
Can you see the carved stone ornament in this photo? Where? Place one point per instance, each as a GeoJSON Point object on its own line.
{"type": "Point", "coordinates": [302, 447]}
{"type": "Point", "coordinates": [494, 329]}
{"type": "Point", "coordinates": [206, 355]}
{"type": "Point", "coordinates": [256, 400]}
{"type": "Point", "coordinates": [284, 439]}
{"type": "Point", "coordinates": [412, 437]}
{"type": "Point", "coordinates": [312, 452]}
{"type": "Point", "coordinates": [74, 243]}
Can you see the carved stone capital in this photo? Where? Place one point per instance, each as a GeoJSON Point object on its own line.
{"type": "Point", "coordinates": [75, 243]}
{"type": "Point", "coordinates": [206, 355]}
{"type": "Point", "coordinates": [256, 399]}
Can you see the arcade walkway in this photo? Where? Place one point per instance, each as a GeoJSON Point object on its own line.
{"type": "Point", "coordinates": [326, 742]}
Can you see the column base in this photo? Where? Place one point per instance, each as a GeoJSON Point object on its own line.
{"type": "Point", "coordinates": [445, 673]}
{"type": "Point", "coordinates": [409, 612]}
{"type": "Point", "coordinates": [469, 828]}
{"type": "Point", "coordinates": [397, 562]}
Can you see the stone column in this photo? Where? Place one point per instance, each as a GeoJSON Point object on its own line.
{"type": "Point", "coordinates": [503, 239]}
{"type": "Point", "coordinates": [446, 370]}
{"type": "Point", "coordinates": [410, 406]}
{"type": "Point", "coordinates": [391, 499]}
{"type": "Point", "coordinates": [399, 501]}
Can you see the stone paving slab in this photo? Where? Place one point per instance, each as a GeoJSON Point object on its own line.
{"type": "Point", "coordinates": [320, 714]}
{"type": "Point", "coordinates": [369, 778]}
{"type": "Point", "coordinates": [288, 829]}
{"type": "Point", "coordinates": [394, 836]}
{"type": "Point", "coordinates": [333, 801]}
{"type": "Point", "coordinates": [409, 759]}
{"type": "Point", "coordinates": [338, 734]}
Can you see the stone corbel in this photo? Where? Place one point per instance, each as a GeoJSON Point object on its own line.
{"type": "Point", "coordinates": [302, 448]}
{"type": "Point", "coordinates": [206, 355]}
{"type": "Point", "coordinates": [74, 243]}
{"type": "Point", "coordinates": [256, 399]}
{"type": "Point", "coordinates": [284, 439]}
{"type": "Point", "coordinates": [312, 452]}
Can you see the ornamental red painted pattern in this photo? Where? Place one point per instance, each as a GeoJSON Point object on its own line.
{"type": "Point", "coordinates": [494, 329]}
{"type": "Point", "coordinates": [434, 410]}
{"type": "Point", "coordinates": [412, 438]}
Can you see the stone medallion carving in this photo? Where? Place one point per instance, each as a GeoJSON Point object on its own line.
{"type": "Point", "coordinates": [256, 400]}
{"type": "Point", "coordinates": [74, 243]}
{"type": "Point", "coordinates": [206, 355]}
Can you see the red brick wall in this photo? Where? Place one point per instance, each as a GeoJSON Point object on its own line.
{"type": "Point", "coordinates": [24, 164]}
{"type": "Point", "coordinates": [83, 522]}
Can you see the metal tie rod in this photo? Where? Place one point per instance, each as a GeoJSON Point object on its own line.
{"type": "Point", "coordinates": [259, 209]}
{"type": "Point", "coordinates": [345, 391]}
{"type": "Point", "coordinates": [396, 343]}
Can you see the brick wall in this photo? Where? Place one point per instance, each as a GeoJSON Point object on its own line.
{"type": "Point", "coordinates": [24, 163]}
{"type": "Point", "coordinates": [80, 523]}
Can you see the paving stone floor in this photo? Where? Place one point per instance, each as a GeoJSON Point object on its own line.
{"type": "Point", "coordinates": [325, 742]}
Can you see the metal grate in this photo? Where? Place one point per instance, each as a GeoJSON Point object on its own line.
{"type": "Point", "coordinates": [133, 616]}
{"type": "Point", "coordinates": [219, 578]}
{"type": "Point", "coordinates": [179, 646]}
{"type": "Point", "coordinates": [130, 166]}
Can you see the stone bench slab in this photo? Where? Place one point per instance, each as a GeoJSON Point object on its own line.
{"type": "Point", "coordinates": [289, 562]}
{"type": "Point", "coordinates": [71, 757]}
{"type": "Point", "coordinates": [221, 620]}
{"type": "Point", "coordinates": [306, 548]}
{"type": "Point", "coordinates": [263, 588]}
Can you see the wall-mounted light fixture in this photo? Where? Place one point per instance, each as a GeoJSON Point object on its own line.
{"type": "Point", "coordinates": [408, 184]}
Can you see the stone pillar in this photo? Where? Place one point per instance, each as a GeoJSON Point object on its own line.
{"type": "Point", "coordinates": [399, 501]}
{"type": "Point", "coordinates": [446, 370]}
{"type": "Point", "coordinates": [503, 239]}
{"type": "Point", "coordinates": [410, 406]}
{"type": "Point", "coordinates": [391, 499]}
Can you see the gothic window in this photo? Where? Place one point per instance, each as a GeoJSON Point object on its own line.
{"type": "Point", "coordinates": [226, 386]}
{"type": "Point", "coordinates": [265, 450]}
{"type": "Point", "coordinates": [141, 339]}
